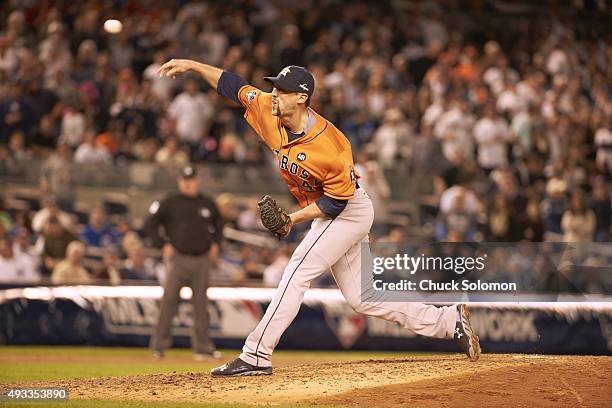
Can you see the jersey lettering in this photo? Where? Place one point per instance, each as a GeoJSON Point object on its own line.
{"type": "Point", "coordinates": [284, 161]}
{"type": "Point", "coordinates": [307, 186]}
{"type": "Point", "coordinates": [323, 160]}
{"type": "Point", "coordinates": [315, 186]}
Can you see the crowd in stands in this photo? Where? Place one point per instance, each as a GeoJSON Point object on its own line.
{"type": "Point", "coordinates": [499, 121]}
{"type": "Point", "coordinates": [58, 246]}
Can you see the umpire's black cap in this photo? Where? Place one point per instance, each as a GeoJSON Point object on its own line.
{"type": "Point", "coordinates": [188, 171]}
{"type": "Point", "coordinates": [294, 79]}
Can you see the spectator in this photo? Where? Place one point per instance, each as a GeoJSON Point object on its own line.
{"type": "Point", "coordinates": [192, 111]}
{"type": "Point", "coordinates": [503, 222]}
{"type": "Point", "coordinates": [397, 236]}
{"type": "Point", "coordinates": [6, 221]}
{"type": "Point", "coordinates": [109, 140]}
{"type": "Point", "coordinates": [98, 232]}
{"type": "Point", "coordinates": [523, 126]}
{"type": "Point", "coordinates": [73, 127]}
{"type": "Point", "coordinates": [54, 239]}
{"type": "Point", "coordinates": [70, 271]}
{"type": "Point", "coordinates": [603, 141]}
{"type": "Point", "coordinates": [458, 218]}
{"type": "Point", "coordinates": [56, 176]}
{"type": "Point", "coordinates": [171, 155]}
{"type": "Point", "coordinates": [109, 271]}
{"type": "Point", "coordinates": [46, 136]}
{"type": "Point", "coordinates": [50, 210]}
{"type": "Point", "coordinates": [454, 129]}
{"type": "Point", "coordinates": [17, 148]}
{"type": "Point", "coordinates": [22, 243]}
{"type": "Point", "coordinates": [16, 267]}
{"type": "Point", "coordinates": [8, 56]}
{"type": "Point", "coordinates": [492, 136]}
{"type": "Point", "coordinates": [509, 102]}
{"type": "Point", "coordinates": [138, 266]}
{"type": "Point", "coordinates": [249, 218]}
{"type": "Point", "coordinates": [273, 273]}
{"type": "Point", "coordinates": [469, 199]}
{"type": "Point", "coordinates": [506, 185]}
{"type": "Point", "coordinates": [601, 205]}
{"type": "Point", "coordinates": [16, 114]}
{"type": "Point", "coordinates": [226, 203]}
{"type": "Point", "coordinates": [89, 152]}
{"type": "Point", "coordinates": [288, 50]}
{"type": "Point", "coordinates": [160, 86]}
{"type": "Point", "coordinates": [578, 221]}
{"type": "Point", "coordinates": [553, 207]}
{"type": "Point", "coordinates": [533, 225]}
{"type": "Point", "coordinates": [23, 220]}
{"type": "Point", "coordinates": [372, 179]}
{"type": "Point", "coordinates": [428, 159]}
{"type": "Point", "coordinates": [392, 139]}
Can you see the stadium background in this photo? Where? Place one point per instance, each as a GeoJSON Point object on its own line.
{"type": "Point", "coordinates": [469, 121]}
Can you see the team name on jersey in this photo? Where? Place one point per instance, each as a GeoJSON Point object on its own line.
{"type": "Point", "coordinates": [306, 181]}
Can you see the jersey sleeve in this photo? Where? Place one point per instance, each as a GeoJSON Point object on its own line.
{"type": "Point", "coordinates": [340, 181]}
{"type": "Point", "coordinates": [229, 85]}
{"type": "Point", "coordinates": [258, 105]}
{"type": "Point", "coordinates": [331, 206]}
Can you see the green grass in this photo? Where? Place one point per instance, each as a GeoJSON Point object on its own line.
{"type": "Point", "coordinates": [26, 364]}
{"type": "Point", "coordinates": [97, 362]}
{"type": "Point", "coordinates": [83, 362]}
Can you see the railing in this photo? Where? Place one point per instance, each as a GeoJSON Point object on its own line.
{"type": "Point", "coordinates": [236, 178]}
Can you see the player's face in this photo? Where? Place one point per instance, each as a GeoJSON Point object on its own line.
{"type": "Point", "coordinates": [283, 103]}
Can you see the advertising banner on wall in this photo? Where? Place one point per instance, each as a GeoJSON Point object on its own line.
{"type": "Point", "coordinates": [126, 316]}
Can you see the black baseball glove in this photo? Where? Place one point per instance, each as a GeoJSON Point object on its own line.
{"type": "Point", "coordinates": [273, 217]}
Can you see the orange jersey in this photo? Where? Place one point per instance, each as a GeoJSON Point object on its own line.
{"type": "Point", "coordinates": [319, 162]}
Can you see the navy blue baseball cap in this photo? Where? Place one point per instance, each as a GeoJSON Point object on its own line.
{"type": "Point", "coordinates": [294, 79]}
{"type": "Point", "coordinates": [188, 172]}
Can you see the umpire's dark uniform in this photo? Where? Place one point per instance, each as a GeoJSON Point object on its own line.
{"type": "Point", "coordinates": [191, 223]}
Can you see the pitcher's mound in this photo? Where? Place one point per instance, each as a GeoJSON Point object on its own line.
{"type": "Point", "coordinates": [445, 380]}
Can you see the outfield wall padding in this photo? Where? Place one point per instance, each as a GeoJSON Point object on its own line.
{"type": "Point", "coordinates": [126, 315]}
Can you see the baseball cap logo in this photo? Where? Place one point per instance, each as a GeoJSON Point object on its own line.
{"type": "Point", "coordinates": [285, 71]}
{"type": "Point", "coordinates": [304, 87]}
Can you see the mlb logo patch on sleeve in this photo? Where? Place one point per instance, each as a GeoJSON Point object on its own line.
{"type": "Point", "coordinates": [251, 96]}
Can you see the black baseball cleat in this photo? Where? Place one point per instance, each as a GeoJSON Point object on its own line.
{"type": "Point", "coordinates": [465, 335]}
{"type": "Point", "coordinates": [238, 368]}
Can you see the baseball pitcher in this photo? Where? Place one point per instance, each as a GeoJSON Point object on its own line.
{"type": "Point", "coordinates": [316, 162]}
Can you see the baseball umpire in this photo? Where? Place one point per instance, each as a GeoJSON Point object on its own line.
{"type": "Point", "coordinates": [189, 228]}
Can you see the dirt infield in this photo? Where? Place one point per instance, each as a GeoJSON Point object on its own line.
{"type": "Point", "coordinates": [427, 381]}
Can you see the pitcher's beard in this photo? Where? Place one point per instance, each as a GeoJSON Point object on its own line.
{"type": "Point", "coordinates": [276, 110]}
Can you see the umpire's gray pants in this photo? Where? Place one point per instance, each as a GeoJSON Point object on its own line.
{"type": "Point", "coordinates": [185, 270]}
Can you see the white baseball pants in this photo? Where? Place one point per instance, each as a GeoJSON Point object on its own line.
{"type": "Point", "coordinates": [337, 244]}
